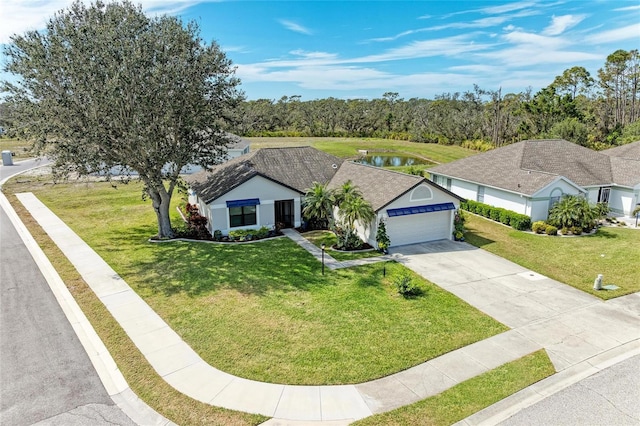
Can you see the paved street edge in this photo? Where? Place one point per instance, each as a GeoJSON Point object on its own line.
{"type": "Point", "coordinates": [111, 377]}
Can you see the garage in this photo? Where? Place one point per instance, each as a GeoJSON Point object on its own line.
{"type": "Point", "coordinates": [410, 226]}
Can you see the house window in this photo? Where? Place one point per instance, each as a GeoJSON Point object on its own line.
{"type": "Point", "coordinates": [480, 197]}
{"type": "Point", "coordinates": [556, 195]}
{"type": "Point", "coordinates": [448, 184]}
{"type": "Point", "coordinates": [603, 194]}
{"type": "Point", "coordinates": [421, 193]}
{"type": "Point", "coordinates": [242, 216]}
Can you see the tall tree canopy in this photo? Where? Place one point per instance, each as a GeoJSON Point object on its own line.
{"type": "Point", "coordinates": [104, 86]}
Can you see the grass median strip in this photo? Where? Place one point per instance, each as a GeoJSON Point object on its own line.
{"type": "Point", "coordinates": [470, 396]}
{"type": "Point", "coordinates": [140, 376]}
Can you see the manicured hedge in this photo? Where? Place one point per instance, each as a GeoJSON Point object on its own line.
{"type": "Point", "coordinates": [518, 221]}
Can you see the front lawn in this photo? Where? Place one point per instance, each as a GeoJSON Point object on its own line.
{"type": "Point", "coordinates": [262, 310]}
{"type": "Point", "coordinates": [576, 261]}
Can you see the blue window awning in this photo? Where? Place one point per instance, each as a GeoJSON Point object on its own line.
{"type": "Point", "coordinates": [429, 208]}
{"type": "Point", "coordinates": [244, 203]}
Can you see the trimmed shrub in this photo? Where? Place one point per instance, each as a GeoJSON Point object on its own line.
{"type": "Point", "coordinates": [505, 217]}
{"type": "Point", "coordinates": [539, 227]}
{"type": "Point", "coordinates": [576, 230]}
{"type": "Point", "coordinates": [551, 230]}
{"type": "Point", "coordinates": [406, 287]}
{"type": "Point", "coordinates": [521, 222]}
{"type": "Point", "coordinates": [565, 231]}
{"type": "Point", "coordinates": [517, 221]}
{"type": "Point", "coordinates": [494, 214]}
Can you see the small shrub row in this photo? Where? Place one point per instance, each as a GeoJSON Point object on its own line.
{"type": "Point", "coordinates": [518, 221]}
{"type": "Point", "coordinates": [249, 234]}
{"type": "Point", "coordinates": [542, 227]}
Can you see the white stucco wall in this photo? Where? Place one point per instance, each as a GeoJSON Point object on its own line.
{"type": "Point", "coordinates": [466, 190]}
{"type": "Point", "coordinates": [624, 200]}
{"type": "Point", "coordinates": [258, 187]}
{"type": "Point", "coordinates": [539, 204]}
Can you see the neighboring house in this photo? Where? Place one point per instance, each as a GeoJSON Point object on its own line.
{"type": "Point", "coordinates": [267, 187]}
{"type": "Point", "coordinates": [529, 177]}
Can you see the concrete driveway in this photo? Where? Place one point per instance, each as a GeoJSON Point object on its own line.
{"type": "Point", "coordinates": [571, 325]}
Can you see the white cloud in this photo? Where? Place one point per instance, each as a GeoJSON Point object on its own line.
{"type": "Point", "coordinates": [448, 46]}
{"type": "Point", "coordinates": [629, 32]}
{"type": "Point", "coordinates": [627, 8]}
{"type": "Point", "coordinates": [509, 7]}
{"type": "Point", "coordinates": [561, 23]}
{"type": "Point", "coordinates": [19, 16]}
{"type": "Point", "coordinates": [292, 26]}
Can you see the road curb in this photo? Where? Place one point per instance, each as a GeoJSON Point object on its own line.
{"type": "Point", "coordinates": [110, 376]}
{"type": "Point", "coordinates": [535, 393]}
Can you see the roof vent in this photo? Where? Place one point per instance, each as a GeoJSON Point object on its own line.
{"type": "Point", "coordinates": [334, 166]}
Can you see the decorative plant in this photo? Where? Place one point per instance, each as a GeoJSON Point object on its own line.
{"type": "Point", "coordinates": [572, 211]}
{"type": "Point", "coordinates": [458, 225]}
{"type": "Point", "coordinates": [382, 239]}
{"type": "Point", "coordinates": [406, 287]}
{"type": "Point", "coordinates": [318, 206]}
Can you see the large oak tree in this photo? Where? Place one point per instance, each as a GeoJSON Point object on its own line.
{"type": "Point", "coordinates": [104, 88]}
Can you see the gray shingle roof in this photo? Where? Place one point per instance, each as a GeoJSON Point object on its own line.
{"type": "Point", "coordinates": [378, 186]}
{"type": "Point", "coordinates": [528, 166]}
{"type": "Point", "coordinates": [625, 163]}
{"type": "Point", "coordinates": [629, 151]}
{"type": "Point", "coordinates": [296, 168]}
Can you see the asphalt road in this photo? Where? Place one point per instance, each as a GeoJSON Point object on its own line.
{"type": "Point", "coordinates": [610, 397]}
{"type": "Point", "coordinates": [46, 376]}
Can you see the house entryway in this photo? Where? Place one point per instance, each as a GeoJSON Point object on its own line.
{"type": "Point", "coordinates": [285, 216]}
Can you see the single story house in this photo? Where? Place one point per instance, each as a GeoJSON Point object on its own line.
{"type": "Point", "coordinates": [267, 187]}
{"type": "Point", "coordinates": [528, 177]}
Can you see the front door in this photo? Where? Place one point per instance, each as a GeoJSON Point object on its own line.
{"type": "Point", "coordinates": [284, 213]}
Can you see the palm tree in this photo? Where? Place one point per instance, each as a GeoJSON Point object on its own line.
{"type": "Point", "coordinates": [318, 205]}
{"type": "Point", "coordinates": [357, 209]}
{"type": "Point", "coordinates": [346, 192]}
{"type": "Point", "coordinates": [572, 211]}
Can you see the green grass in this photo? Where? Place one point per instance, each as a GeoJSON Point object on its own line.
{"type": "Point", "coordinates": [263, 316]}
{"type": "Point", "coordinates": [140, 376]}
{"type": "Point", "coordinates": [576, 261]}
{"type": "Point", "coordinates": [329, 239]}
{"type": "Point", "coordinates": [348, 147]}
{"type": "Point", "coordinates": [21, 148]}
{"type": "Point", "coordinates": [470, 396]}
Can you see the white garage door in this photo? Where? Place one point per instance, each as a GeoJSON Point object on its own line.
{"type": "Point", "coordinates": [418, 228]}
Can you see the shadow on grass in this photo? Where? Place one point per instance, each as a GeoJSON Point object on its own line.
{"type": "Point", "coordinates": [603, 233]}
{"type": "Point", "coordinates": [477, 240]}
{"type": "Point", "coordinates": [197, 268]}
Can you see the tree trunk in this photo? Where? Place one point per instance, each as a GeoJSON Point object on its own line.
{"type": "Point", "coordinates": [161, 200]}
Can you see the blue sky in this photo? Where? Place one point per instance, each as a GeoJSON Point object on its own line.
{"type": "Point", "coordinates": [362, 49]}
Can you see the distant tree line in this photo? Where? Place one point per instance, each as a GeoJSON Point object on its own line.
{"type": "Point", "coordinates": [596, 112]}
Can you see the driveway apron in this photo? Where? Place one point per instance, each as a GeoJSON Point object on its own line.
{"type": "Point", "coordinates": [571, 325]}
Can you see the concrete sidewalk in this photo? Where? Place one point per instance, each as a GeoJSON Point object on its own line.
{"type": "Point", "coordinates": [329, 261]}
{"type": "Point", "coordinates": [469, 274]}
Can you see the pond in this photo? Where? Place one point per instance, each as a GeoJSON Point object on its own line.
{"type": "Point", "coordinates": [391, 160]}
